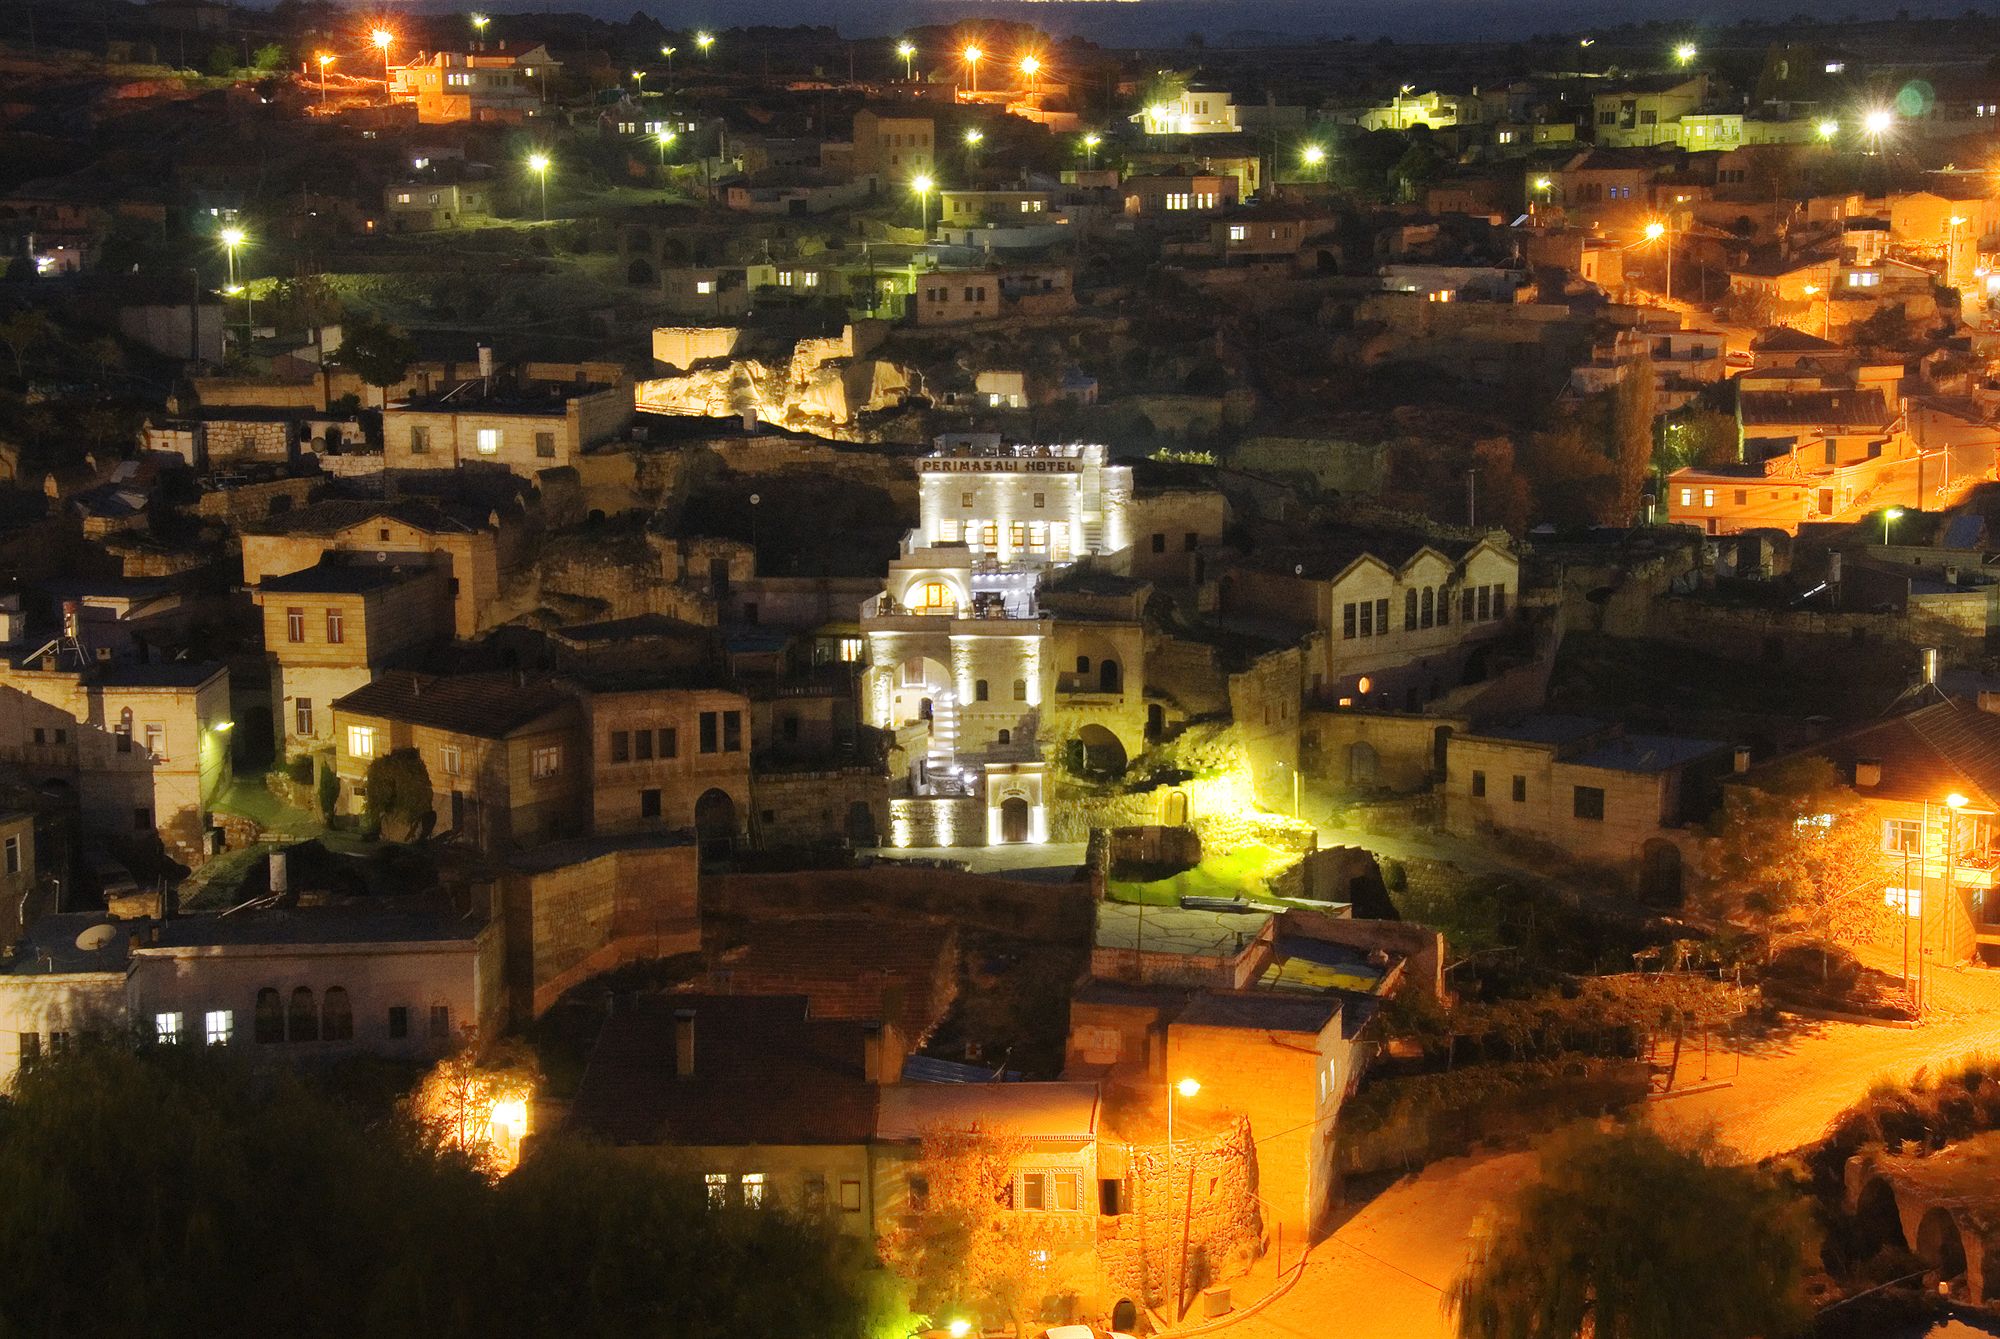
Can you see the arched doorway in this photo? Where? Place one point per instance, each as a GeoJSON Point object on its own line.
{"type": "Point", "coordinates": [1156, 722]}
{"type": "Point", "coordinates": [1940, 1246]}
{"type": "Point", "coordinates": [1100, 753]}
{"type": "Point", "coordinates": [1876, 1222]}
{"type": "Point", "coordinates": [640, 271]}
{"type": "Point", "coordinates": [1124, 1316]}
{"type": "Point", "coordinates": [1361, 763]}
{"type": "Point", "coordinates": [1013, 820]}
{"type": "Point", "coordinates": [715, 823]}
{"type": "Point", "coordinates": [1174, 813]}
{"type": "Point", "coordinates": [1107, 676]}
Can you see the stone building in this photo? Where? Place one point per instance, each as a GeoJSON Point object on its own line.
{"type": "Point", "coordinates": [507, 757]}
{"type": "Point", "coordinates": [478, 547]}
{"type": "Point", "coordinates": [666, 756]}
{"type": "Point", "coordinates": [525, 427]}
{"type": "Point", "coordinates": [894, 145]}
{"type": "Point", "coordinates": [575, 909]}
{"type": "Point", "coordinates": [332, 627]}
{"type": "Point", "coordinates": [504, 83]}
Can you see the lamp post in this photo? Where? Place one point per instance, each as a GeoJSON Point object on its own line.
{"type": "Point", "coordinates": [973, 55]}
{"type": "Point", "coordinates": [382, 38]}
{"type": "Point", "coordinates": [1952, 804]}
{"type": "Point", "coordinates": [538, 163]}
{"type": "Point", "coordinates": [639, 82]}
{"type": "Point", "coordinates": [973, 139]}
{"type": "Point", "coordinates": [908, 51]}
{"type": "Point", "coordinates": [704, 41]}
{"type": "Point", "coordinates": [1878, 122]}
{"type": "Point", "coordinates": [666, 138]}
{"type": "Point", "coordinates": [325, 59]}
{"type": "Point", "coordinates": [1826, 309]}
{"type": "Point", "coordinates": [1090, 143]}
{"type": "Point", "coordinates": [1314, 157]}
{"type": "Point", "coordinates": [1889, 514]}
{"type": "Point", "coordinates": [1685, 53]}
{"type": "Point", "coordinates": [231, 238]}
{"type": "Point", "coordinates": [668, 52]}
{"type": "Point", "coordinates": [922, 186]}
{"type": "Point", "coordinates": [1952, 225]}
{"type": "Point", "coordinates": [479, 22]}
{"type": "Point", "coordinates": [1828, 130]}
{"type": "Point", "coordinates": [1031, 66]}
{"type": "Point", "coordinates": [1657, 231]}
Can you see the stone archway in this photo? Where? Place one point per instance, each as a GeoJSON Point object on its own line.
{"type": "Point", "coordinates": [1940, 1246]}
{"type": "Point", "coordinates": [1877, 1221]}
{"type": "Point", "coordinates": [641, 271]}
{"type": "Point", "coordinates": [1014, 816]}
{"type": "Point", "coordinates": [1100, 751]}
{"type": "Point", "coordinates": [715, 823]}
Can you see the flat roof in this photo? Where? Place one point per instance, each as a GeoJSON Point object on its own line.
{"type": "Point", "coordinates": [1215, 934]}
{"type": "Point", "coordinates": [1031, 1110]}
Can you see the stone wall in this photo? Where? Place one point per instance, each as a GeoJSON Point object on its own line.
{"type": "Point", "coordinates": [1334, 465]}
{"type": "Point", "coordinates": [808, 808]}
{"type": "Point", "coordinates": [1400, 749]}
{"type": "Point", "coordinates": [937, 822]}
{"type": "Point", "coordinates": [254, 502]}
{"type": "Point", "coordinates": [1203, 1191]}
{"type": "Point", "coordinates": [1811, 637]}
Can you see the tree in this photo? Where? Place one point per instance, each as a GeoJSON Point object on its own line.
{"type": "Point", "coordinates": [24, 333]}
{"type": "Point", "coordinates": [961, 1248]}
{"type": "Point", "coordinates": [269, 58]}
{"type": "Point", "coordinates": [477, 1106]}
{"type": "Point", "coordinates": [1699, 436]}
{"type": "Point", "coordinates": [1629, 1235]}
{"type": "Point", "coordinates": [378, 352]}
{"type": "Point", "coordinates": [1798, 857]}
{"type": "Point", "coordinates": [398, 788]}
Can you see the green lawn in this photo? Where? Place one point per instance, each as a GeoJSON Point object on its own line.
{"type": "Point", "coordinates": [1240, 873]}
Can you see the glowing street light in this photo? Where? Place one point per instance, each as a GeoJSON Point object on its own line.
{"type": "Point", "coordinates": [382, 38]}
{"type": "Point", "coordinates": [1657, 231]}
{"type": "Point", "coordinates": [1890, 514]}
{"type": "Point", "coordinates": [973, 55]}
{"type": "Point", "coordinates": [1828, 129]}
{"type": "Point", "coordinates": [1090, 143]}
{"type": "Point", "coordinates": [1313, 156]}
{"type": "Point", "coordinates": [668, 52]}
{"type": "Point", "coordinates": [908, 51]}
{"type": "Point", "coordinates": [1685, 53]}
{"type": "Point", "coordinates": [1878, 121]}
{"type": "Point", "coordinates": [1031, 66]}
{"type": "Point", "coordinates": [922, 184]}
{"type": "Point", "coordinates": [639, 78]}
{"type": "Point", "coordinates": [231, 238]}
{"type": "Point", "coordinates": [704, 41]}
{"type": "Point", "coordinates": [479, 22]}
{"type": "Point", "coordinates": [973, 138]}
{"type": "Point", "coordinates": [667, 138]}
{"type": "Point", "coordinates": [538, 163]}
{"type": "Point", "coordinates": [959, 1328]}
{"type": "Point", "coordinates": [325, 59]}
{"type": "Point", "coordinates": [1186, 1088]}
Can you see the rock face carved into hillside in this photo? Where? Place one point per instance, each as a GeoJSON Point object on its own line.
{"type": "Point", "coordinates": [824, 387]}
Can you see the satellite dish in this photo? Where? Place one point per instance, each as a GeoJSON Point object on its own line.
{"type": "Point", "coordinates": [97, 937]}
{"type": "Point", "coordinates": [381, 555]}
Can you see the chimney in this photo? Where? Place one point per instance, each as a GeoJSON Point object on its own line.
{"type": "Point", "coordinates": [881, 1053]}
{"type": "Point", "coordinates": [280, 880]}
{"type": "Point", "coordinates": [1833, 569]}
{"type": "Point", "coordinates": [1950, 575]}
{"type": "Point", "coordinates": [1930, 665]}
{"type": "Point", "coordinates": [486, 368]}
{"type": "Point", "coordinates": [1867, 771]}
{"type": "Point", "coordinates": [750, 419]}
{"type": "Point", "coordinates": [1740, 762]}
{"type": "Point", "coordinates": [684, 1043]}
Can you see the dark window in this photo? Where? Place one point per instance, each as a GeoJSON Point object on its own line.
{"type": "Point", "coordinates": [1467, 606]}
{"type": "Point", "coordinates": [420, 444]}
{"type": "Point", "coordinates": [1110, 1196]}
{"type": "Point", "coordinates": [1410, 610]}
{"type": "Point", "coordinates": [642, 742]}
{"type": "Point", "coordinates": [1485, 603]}
{"type": "Point", "coordinates": [545, 445]}
{"type": "Point", "coordinates": [1382, 614]}
{"type": "Point", "coordinates": [791, 728]}
{"type": "Point", "coordinates": [1160, 543]}
{"type": "Point", "coordinates": [709, 734]}
{"type": "Point", "coordinates": [1499, 602]}
{"type": "Point", "coordinates": [295, 625]}
{"type": "Point", "coordinates": [670, 743]}
{"type": "Point", "coordinates": [1588, 803]}
{"type": "Point", "coordinates": [732, 732]}
{"type": "Point", "coordinates": [979, 692]}
{"type": "Point", "coordinates": [1520, 790]}
{"type": "Point", "coordinates": [1005, 737]}
{"type": "Point", "coordinates": [1478, 785]}
{"type": "Point", "coordinates": [1347, 622]}
{"type": "Point", "coordinates": [1020, 690]}
{"type": "Point", "coordinates": [440, 1020]}
{"type": "Point", "coordinates": [1190, 541]}
{"type": "Point", "coordinates": [337, 1015]}
{"type": "Point", "coordinates": [1367, 618]}
{"type": "Point", "coordinates": [399, 1021]}
{"type": "Point", "coordinates": [649, 804]}
{"type": "Point", "coordinates": [302, 715]}
{"type": "Point", "coordinates": [621, 746]}
{"type": "Point", "coordinates": [1083, 664]}
{"type": "Point", "coordinates": [270, 1016]}
{"type": "Point", "coordinates": [1429, 615]}
{"type": "Point", "coordinates": [142, 819]}
{"type": "Point", "coordinates": [41, 735]}
{"type": "Point", "coordinates": [336, 626]}
{"type": "Point", "coordinates": [302, 1019]}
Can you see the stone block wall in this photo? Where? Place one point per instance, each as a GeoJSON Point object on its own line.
{"type": "Point", "coordinates": [1203, 1190]}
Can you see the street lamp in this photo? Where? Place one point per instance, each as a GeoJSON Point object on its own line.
{"type": "Point", "coordinates": [1826, 310]}
{"type": "Point", "coordinates": [382, 37]}
{"type": "Point", "coordinates": [1313, 156]}
{"type": "Point", "coordinates": [908, 51]}
{"type": "Point", "coordinates": [1187, 1088]}
{"type": "Point", "coordinates": [704, 41]}
{"type": "Point", "coordinates": [1090, 143]}
{"type": "Point", "coordinates": [538, 163]}
{"type": "Point", "coordinates": [668, 52]}
{"type": "Point", "coordinates": [639, 78]}
{"type": "Point", "coordinates": [1685, 53]}
{"type": "Point", "coordinates": [922, 184]}
{"type": "Point", "coordinates": [666, 138]}
{"type": "Point", "coordinates": [1031, 66]}
{"type": "Point", "coordinates": [232, 237]}
{"type": "Point", "coordinates": [973, 55]}
{"type": "Point", "coordinates": [1828, 129]}
{"type": "Point", "coordinates": [1877, 122]}
{"type": "Point", "coordinates": [325, 59]}
{"type": "Point", "coordinates": [1657, 231]}
{"type": "Point", "coordinates": [479, 22]}
{"type": "Point", "coordinates": [1889, 514]}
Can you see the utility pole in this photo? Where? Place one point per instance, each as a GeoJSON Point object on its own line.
{"type": "Point", "coordinates": [1472, 498]}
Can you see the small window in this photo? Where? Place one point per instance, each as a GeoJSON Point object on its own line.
{"type": "Point", "coordinates": [621, 746]}
{"type": "Point", "coordinates": [167, 1028]}
{"type": "Point", "coordinates": [1478, 785]}
{"type": "Point", "coordinates": [420, 443]}
{"type": "Point", "coordinates": [302, 716]}
{"type": "Point", "coordinates": [399, 1021]}
{"type": "Point", "coordinates": [488, 440]}
{"type": "Point", "coordinates": [546, 762]}
{"type": "Point", "coordinates": [270, 1016]}
{"type": "Point", "coordinates": [13, 855]}
{"type": "Point", "coordinates": [710, 731]}
{"type": "Point", "coordinates": [1520, 790]}
{"type": "Point", "coordinates": [718, 1189]}
{"type": "Point", "coordinates": [1159, 543]}
{"type": "Point", "coordinates": [732, 732]}
{"type": "Point", "coordinates": [1041, 499]}
{"type": "Point", "coordinates": [979, 691]}
{"type": "Point", "coordinates": [295, 625]}
{"type": "Point", "coordinates": [649, 803]}
{"type": "Point", "coordinates": [642, 745]}
{"type": "Point", "coordinates": [545, 445]}
{"type": "Point", "coordinates": [754, 1185]}
{"type": "Point", "coordinates": [31, 1048]}
{"type": "Point", "coordinates": [361, 741]}
{"type": "Point", "coordinates": [219, 1027]}
{"type": "Point", "coordinates": [336, 626]}
{"type": "Point", "coordinates": [1034, 1191]}
{"type": "Point", "coordinates": [670, 742]}
{"type": "Point", "coordinates": [850, 1195]}
{"type": "Point", "coordinates": [156, 739]}
{"type": "Point", "coordinates": [440, 1020]}
{"type": "Point", "coordinates": [1020, 690]}
{"type": "Point", "coordinates": [450, 760]}
{"type": "Point", "coordinates": [1589, 803]}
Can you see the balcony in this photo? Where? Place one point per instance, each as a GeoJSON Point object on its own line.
{"type": "Point", "coordinates": [983, 607]}
{"type": "Point", "coordinates": [1085, 687]}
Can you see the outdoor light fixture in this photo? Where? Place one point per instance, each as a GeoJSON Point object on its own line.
{"type": "Point", "coordinates": [479, 22]}
{"type": "Point", "coordinates": [1313, 156]}
{"type": "Point", "coordinates": [1188, 1087]}
{"type": "Point", "coordinates": [1878, 121]}
{"type": "Point", "coordinates": [1655, 231]}
{"type": "Point", "coordinates": [538, 163]}
{"type": "Point", "coordinates": [908, 51]}
{"type": "Point", "coordinates": [382, 37]}
{"type": "Point", "coordinates": [1889, 514]}
{"type": "Point", "coordinates": [1956, 801]}
{"type": "Point", "coordinates": [973, 55]}
{"type": "Point", "coordinates": [958, 1329]}
{"type": "Point", "coordinates": [974, 136]}
{"type": "Point", "coordinates": [922, 186]}
{"type": "Point", "coordinates": [704, 41]}
{"type": "Point", "coordinates": [1685, 52]}
{"type": "Point", "coordinates": [1828, 129]}
{"type": "Point", "coordinates": [1090, 143]}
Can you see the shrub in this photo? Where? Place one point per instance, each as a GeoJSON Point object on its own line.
{"type": "Point", "coordinates": [399, 795]}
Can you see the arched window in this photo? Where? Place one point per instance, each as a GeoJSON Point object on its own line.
{"type": "Point", "coordinates": [1006, 736]}
{"type": "Point", "coordinates": [302, 1020]}
{"type": "Point", "coordinates": [336, 1016]}
{"type": "Point", "coordinates": [979, 690]}
{"type": "Point", "coordinates": [1410, 610]}
{"type": "Point", "coordinates": [1107, 676]}
{"type": "Point", "coordinates": [1083, 664]}
{"type": "Point", "coordinates": [1430, 606]}
{"type": "Point", "coordinates": [1020, 690]}
{"type": "Point", "coordinates": [1444, 606]}
{"type": "Point", "coordinates": [270, 1015]}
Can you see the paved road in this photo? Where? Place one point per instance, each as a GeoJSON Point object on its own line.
{"type": "Point", "coordinates": [1382, 1275]}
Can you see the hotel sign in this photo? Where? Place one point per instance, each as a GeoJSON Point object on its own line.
{"type": "Point", "coordinates": [995, 465]}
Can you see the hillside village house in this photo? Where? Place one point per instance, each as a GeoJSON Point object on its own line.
{"type": "Point", "coordinates": [525, 429]}
{"type": "Point", "coordinates": [1393, 619]}
{"type": "Point", "coordinates": [410, 979]}
{"type": "Point", "coordinates": [1643, 112]}
{"type": "Point", "coordinates": [1198, 109]}
{"type": "Point", "coordinates": [1595, 792]}
{"type": "Point", "coordinates": [504, 83]}
{"type": "Point", "coordinates": [329, 629]}
{"type": "Point", "coordinates": [894, 146]}
{"type": "Point", "coordinates": [475, 547]}
{"type": "Point", "coordinates": [664, 756]}
{"type": "Point", "coordinates": [505, 756]}
{"type": "Point", "coordinates": [426, 206]}
{"type": "Point", "coordinates": [143, 747]}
